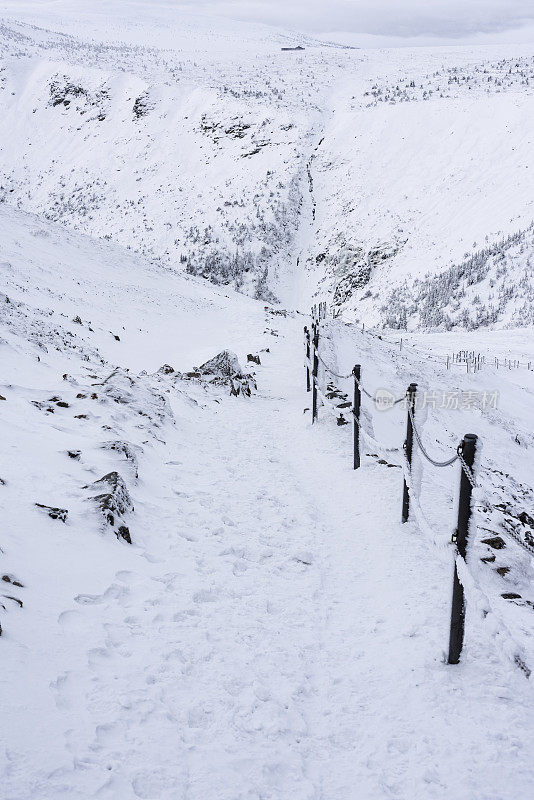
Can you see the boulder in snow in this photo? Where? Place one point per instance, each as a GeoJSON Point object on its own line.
{"type": "Point", "coordinates": [114, 501]}
{"type": "Point", "coordinates": [225, 369]}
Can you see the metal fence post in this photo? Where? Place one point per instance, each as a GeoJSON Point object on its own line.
{"type": "Point", "coordinates": [357, 372]}
{"type": "Point", "coordinates": [408, 447]}
{"type": "Point", "coordinates": [307, 342]}
{"type": "Point", "coordinates": [456, 640]}
{"type": "Point", "coordinates": [315, 371]}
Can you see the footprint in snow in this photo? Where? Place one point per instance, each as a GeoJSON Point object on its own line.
{"type": "Point", "coordinates": [127, 576]}
{"type": "Point", "coordinates": [60, 686]}
{"type": "Point", "coordinates": [113, 592]}
{"type": "Point", "coordinates": [69, 620]}
{"type": "Point", "coordinates": [188, 536]}
{"type": "Point", "coordinates": [96, 655]}
{"type": "Point", "coordinates": [205, 596]}
{"type": "Point", "coordinates": [161, 783]}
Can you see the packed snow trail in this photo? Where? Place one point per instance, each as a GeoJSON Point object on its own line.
{"type": "Point", "coordinates": [278, 634]}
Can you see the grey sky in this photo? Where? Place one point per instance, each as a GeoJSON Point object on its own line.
{"type": "Point", "coordinates": [398, 18]}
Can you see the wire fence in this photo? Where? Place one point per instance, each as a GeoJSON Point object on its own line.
{"type": "Point", "coordinates": [470, 498]}
{"type": "Point", "coordinates": [468, 359]}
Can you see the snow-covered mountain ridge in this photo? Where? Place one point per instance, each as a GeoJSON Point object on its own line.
{"type": "Point", "coordinates": [408, 189]}
{"type": "Point", "coordinates": [159, 141]}
{"type": "Point", "coordinates": [277, 173]}
{"type": "Point", "coordinates": [194, 150]}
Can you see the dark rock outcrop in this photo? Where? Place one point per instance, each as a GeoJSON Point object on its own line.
{"type": "Point", "coordinates": [53, 512]}
{"type": "Point", "coordinates": [114, 501]}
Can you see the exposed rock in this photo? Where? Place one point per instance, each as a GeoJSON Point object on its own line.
{"type": "Point", "coordinates": [242, 384]}
{"type": "Point", "coordinates": [166, 369]}
{"type": "Point", "coordinates": [74, 454]}
{"type": "Point", "coordinates": [53, 512]}
{"type": "Point", "coordinates": [238, 130]}
{"type": "Point", "coordinates": [225, 364]}
{"type": "Point", "coordinates": [495, 541]}
{"type": "Point", "coordinates": [10, 579]}
{"type": "Point", "coordinates": [14, 600]}
{"type": "Point", "coordinates": [124, 533]}
{"type": "Point", "coordinates": [114, 501]}
{"type": "Point", "coordinates": [254, 359]}
{"type": "Point", "coordinates": [225, 369]}
{"type": "Point", "coordinates": [276, 312]}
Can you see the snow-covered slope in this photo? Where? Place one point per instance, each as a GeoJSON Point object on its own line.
{"type": "Point", "coordinates": [192, 151]}
{"type": "Point", "coordinates": [270, 609]}
{"type": "Point", "coordinates": [326, 172]}
{"type": "Point", "coordinates": [172, 172]}
{"type": "Point", "coordinates": [418, 180]}
{"type": "Point", "coordinates": [201, 599]}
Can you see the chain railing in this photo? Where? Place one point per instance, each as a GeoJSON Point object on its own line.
{"type": "Point", "coordinates": [465, 454]}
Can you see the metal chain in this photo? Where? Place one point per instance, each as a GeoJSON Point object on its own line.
{"type": "Point", "coordinates": [467, 470]}
{"type": "Point", "coordinates": [360, 385]}
{"type": "Point", "coordinates": [331, 371]}
{"type": "Point", "coordinates": [525, 545]}
{"type": "Point", "coordinates": [373, 398]}
{"type": "Point", "coordinates": [424, 452]}
{"type": "Point", "coordinates": [362, 388]}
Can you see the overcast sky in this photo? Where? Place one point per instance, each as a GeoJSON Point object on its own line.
{"type": "Point", "coordinates": [447, 19]}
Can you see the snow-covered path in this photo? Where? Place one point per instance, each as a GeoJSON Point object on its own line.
{"type": "Point", "coordinates": [277, 634]}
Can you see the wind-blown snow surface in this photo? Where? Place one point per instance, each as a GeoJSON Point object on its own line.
{"type": "Point", "coordinates": [272, 631]}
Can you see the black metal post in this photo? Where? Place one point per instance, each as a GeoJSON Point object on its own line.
{"type": "Point", "coordinates": [456, 640]}
{"type": "Point", "coordinates": [315, 371]}
{"type": "Point", "coordinates": [357, 372]}
{"type": "Point", "coordinates": [307, 339]}
{"type": "Point", "coordinates": [408, 447]}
